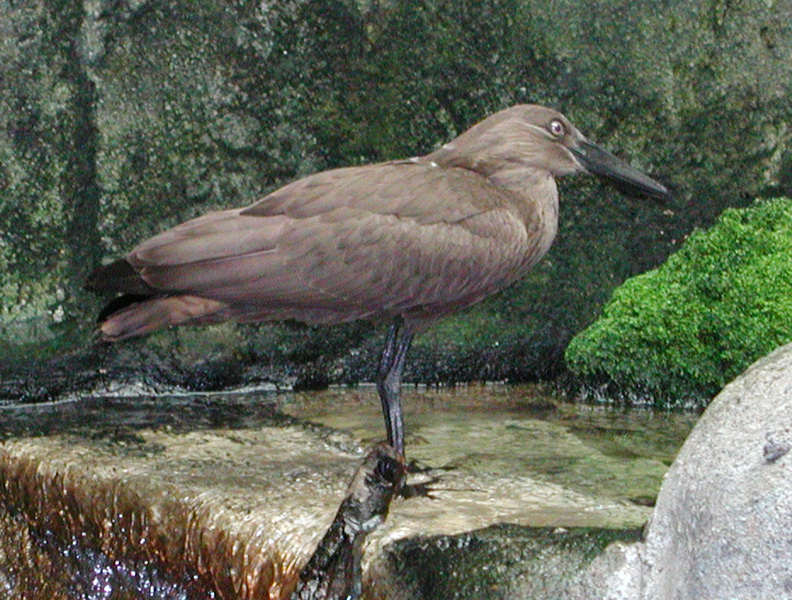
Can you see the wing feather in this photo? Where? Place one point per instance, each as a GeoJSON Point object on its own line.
{"type": "Point", "coordinates": [214, 236]}
{"type": "Point", "coordinates": [387, 239]}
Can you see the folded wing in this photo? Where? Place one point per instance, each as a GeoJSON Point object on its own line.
{"type": "Point", "coordinates": [399, 238]}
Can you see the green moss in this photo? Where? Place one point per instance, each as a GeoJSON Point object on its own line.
{"type": "Point", "coordinates": [498, 562]}
{"type": "Point", "coordinates": [684, 330]}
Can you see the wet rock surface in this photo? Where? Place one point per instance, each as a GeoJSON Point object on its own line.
{"type": "Point", "coordinates": [187, 498]}
{"type": "Point", "coordinates": [224, 496]}
{"type": "Point", "coordinates": [498, 562]}
{"type": "Point", "coordinates": [229, 356]}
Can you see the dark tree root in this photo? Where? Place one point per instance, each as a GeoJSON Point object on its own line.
{"type": "Point", "coordinates": [334, 570]}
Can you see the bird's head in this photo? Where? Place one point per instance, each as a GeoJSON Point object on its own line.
{"type": "Point", "coordinates": [540, 139]}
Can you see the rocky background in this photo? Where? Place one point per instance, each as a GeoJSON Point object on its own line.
{"type": "Point", "coordinates": [121, 118]}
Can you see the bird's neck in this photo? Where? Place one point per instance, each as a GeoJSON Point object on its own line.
{"type": "Point", "coordinates": [536, 200]}
{"type": "Point", "coordinates": [533, 189]}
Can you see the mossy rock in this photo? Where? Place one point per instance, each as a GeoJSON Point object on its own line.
{"type": "Point", "coordinates": [682, 331]}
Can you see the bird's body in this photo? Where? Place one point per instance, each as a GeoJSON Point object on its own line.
{"type": "Point", "coordinates": [414, 238]}
{"type": "Point", "coordinates": [411, 240]}
{"type": "Point", "coordinates": [362, 242]}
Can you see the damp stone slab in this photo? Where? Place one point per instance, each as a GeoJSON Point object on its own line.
{"type": "Point", "coordinates": [227, 513]}
{"type": "Point", "coordinates": [226, 497]}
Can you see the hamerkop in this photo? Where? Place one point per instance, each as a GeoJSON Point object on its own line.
{"type": "Point", "coordinates": [407, 241]}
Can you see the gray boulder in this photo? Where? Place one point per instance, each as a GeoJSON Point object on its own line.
{"type": "Point", "coordinates": [723, 521]}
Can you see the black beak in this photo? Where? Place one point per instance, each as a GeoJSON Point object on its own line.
{"type": "Point", "coordinates": [621, 175]}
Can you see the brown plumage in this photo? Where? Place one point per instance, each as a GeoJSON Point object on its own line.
{"type": "Point", "coordinates": [410, 240]}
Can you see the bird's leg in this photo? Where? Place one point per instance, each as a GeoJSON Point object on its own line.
{"type": "Point", "coordinates": [397, 343]}
{"type": "Point", "coordinates": [334, 571]}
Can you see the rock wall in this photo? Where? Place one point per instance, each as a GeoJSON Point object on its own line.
{"type": "Point", "coordinates": [120, 118]}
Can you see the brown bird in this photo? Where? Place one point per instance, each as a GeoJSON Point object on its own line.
{"type": "Point", "coordinates": [408, 241]}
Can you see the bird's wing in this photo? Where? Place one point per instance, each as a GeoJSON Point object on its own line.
{"type": "Point", "coordinates": [365, 240]}
{"type": "Point", "coordinates": [412, 189]}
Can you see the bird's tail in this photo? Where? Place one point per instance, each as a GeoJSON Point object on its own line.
{"type": "Point", "coordinates": [118, 278]}
{"type": "Point", "coordinates": [146, 315]}
{"type": "Point", "coordinates": [142, 309]}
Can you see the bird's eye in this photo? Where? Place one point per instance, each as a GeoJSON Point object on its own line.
{"type": "Point", "coordinates": [556, 128]}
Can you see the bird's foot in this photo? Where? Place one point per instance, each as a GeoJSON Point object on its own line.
{"type": "Point", "coordinates": [420, 489]}
{"type": "Point", "coordinates": [423, 488]}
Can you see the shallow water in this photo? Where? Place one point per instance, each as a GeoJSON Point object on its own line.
{"type": "Point", "coordinates": [602, 450]}
{"type": "Point", "coordinates": [526, 431]}
{"type": "Point", "coordinates": [268, 470]}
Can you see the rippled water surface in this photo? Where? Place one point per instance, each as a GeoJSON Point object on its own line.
{"type": "Point", "coordinates": [617, 452]}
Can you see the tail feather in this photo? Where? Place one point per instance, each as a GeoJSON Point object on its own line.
{"type": "Point", "coordinates": [118, 304]}
{"type": "Point", "coordinates": [152, 314]}
{"type": "Point", "coordinates": [119, 277]}
{"type": "Point", "coordinates": [142, 309]}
